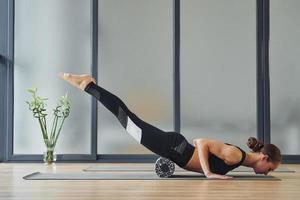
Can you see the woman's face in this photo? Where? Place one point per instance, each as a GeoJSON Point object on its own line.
{"type": "Point", "coordinates": [263, 166]}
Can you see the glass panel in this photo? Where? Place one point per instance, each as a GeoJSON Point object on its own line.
{"type": "Point", "coordinates": [218, 70]}
{"type": "Point", "coordinates": [135, 63]}
{"type": "Point", "coordinates": [284, 72]}
{"type": "Point", "coordinates": [51, 36]}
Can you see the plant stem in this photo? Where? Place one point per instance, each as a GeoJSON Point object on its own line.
{"type": "Point", "coordinates": [59, 130]}
{"type": "Point", "coordinates": [44, 125]}
{"type": "Point", "coordinates": [44, 118]}
{"type": "Point", "coordinates": [43, 131]}
{"type": "Point", "coordinates": [53, 132]}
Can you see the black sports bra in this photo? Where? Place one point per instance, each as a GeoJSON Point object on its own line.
{"type": "Point", "coordinates": [218, 166]}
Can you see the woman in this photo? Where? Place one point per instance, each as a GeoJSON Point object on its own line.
{"type": "Point", "coordinates": [211, 157]}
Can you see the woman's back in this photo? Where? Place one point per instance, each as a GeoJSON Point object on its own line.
{"type": "Point", "coordinates": [234, 158]}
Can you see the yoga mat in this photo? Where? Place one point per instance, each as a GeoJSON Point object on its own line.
{"type": "Point", "coordinates": [177, 169]}
{"type": "Point", "coordinates": [132, 176]}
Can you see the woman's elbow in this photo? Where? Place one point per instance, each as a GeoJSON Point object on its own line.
{"type": "Point", "coordinates": [200, 141]}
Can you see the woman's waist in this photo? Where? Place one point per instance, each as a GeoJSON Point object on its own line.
{"type": "Point", "coordinates": [194, 163]}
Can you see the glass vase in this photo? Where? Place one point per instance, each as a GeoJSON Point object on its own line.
{"type": "Point", "coordinates": [49, 156]}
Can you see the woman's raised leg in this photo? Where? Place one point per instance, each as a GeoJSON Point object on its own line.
{"type": "Point", "coordinates": [153, 138]}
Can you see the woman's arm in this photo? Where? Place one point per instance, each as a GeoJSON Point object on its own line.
{"type": "Point", "coordinates": [206, 146]}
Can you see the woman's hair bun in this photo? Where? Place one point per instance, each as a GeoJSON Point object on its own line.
{"type": "Point", "coordinates": [255, 144]}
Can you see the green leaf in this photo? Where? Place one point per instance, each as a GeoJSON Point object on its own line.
{"type": "Point", "coordinates": [32, 90]}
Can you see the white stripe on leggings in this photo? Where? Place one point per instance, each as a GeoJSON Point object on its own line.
{"type": "Point", "coordinates": [134, 130]}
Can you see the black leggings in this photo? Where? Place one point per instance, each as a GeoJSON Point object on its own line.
{"type": "Point", "coordinates": [171, 144]}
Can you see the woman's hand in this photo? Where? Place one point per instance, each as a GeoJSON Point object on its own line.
{"type": "Point", "coordinates": [217, 176]}
{"type": "Point", "coordinates": [205, 147]}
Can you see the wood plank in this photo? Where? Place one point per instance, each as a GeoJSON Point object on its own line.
{"type": "Point", "coordinates": [13, 186]}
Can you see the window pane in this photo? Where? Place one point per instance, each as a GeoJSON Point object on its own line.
{"type": "Point", "coordinates": [218, 70]}
{"type": "Point", "coordinates": [284, 72]}
{"type": "Point", "coordinates": [135, 63]}
{"type": "Point", "coordinates": [51, 36]}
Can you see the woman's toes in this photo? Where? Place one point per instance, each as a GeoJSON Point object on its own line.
{"type": "Point", "coordinates": [64, 75]}
{"type": "Point", "coordinates": [61, 74]}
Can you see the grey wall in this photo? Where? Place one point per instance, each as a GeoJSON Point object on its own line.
{"type": "Point", "coordinates": [3, 36]}
{"type": "Point", "coordinates": [136, 64]}
{"type": "Point", "coordinates": [284, 75]}
{"type": "Point", "coordinates": [218, 70]}
{"type": "Point", "coordinates": [51, 36]}
{"type": "Point", "coordinates": [207, 65]}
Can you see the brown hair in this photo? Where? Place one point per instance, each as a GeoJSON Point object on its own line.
{"type": "Point", "coordinates": [268, 149]}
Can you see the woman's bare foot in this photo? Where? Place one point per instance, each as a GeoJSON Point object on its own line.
{"type": "Point", "coordinates": [79, 81]}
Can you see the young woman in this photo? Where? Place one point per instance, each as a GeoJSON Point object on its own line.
{"type": "Point", "coordinates": [210, 157]}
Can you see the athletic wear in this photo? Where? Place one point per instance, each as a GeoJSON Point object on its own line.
{"type": "Point", "coordinates": [218, 166]}
{"type": "Point", "coordinates": [181, 150]}
{"type": "Point", "coordinates": [170, 145]}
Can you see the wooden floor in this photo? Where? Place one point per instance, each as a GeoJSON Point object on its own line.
{"type": "Point", "coordinates": [13, 186]}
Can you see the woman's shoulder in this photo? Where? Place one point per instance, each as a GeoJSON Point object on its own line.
{"type": "Point", "coordinates": [234, 154]}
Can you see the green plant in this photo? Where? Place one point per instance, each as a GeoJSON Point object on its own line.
{"type": "Point", "coordinates": [38, 107]}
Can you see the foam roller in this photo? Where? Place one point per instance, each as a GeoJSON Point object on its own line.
{"type": "Point", "coordinates": [164, 167]}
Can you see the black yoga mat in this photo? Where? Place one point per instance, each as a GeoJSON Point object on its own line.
{"type": "Point", "coordinates": [133, 176]}
{"type": "Point", "coordinates": [151, 168]}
